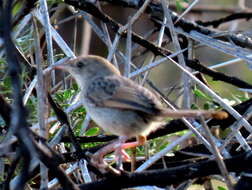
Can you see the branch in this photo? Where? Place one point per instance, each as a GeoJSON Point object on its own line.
{"type": "Point", "coordinates": [156, 11]}
{"type": "Point", "coordinates": [217, 22]}
{"type": "Point", "coordinates": [93, 10]}
{"type": "Point", "coordinates": [18, 112]}
{"type": "Point", "coordinates": [62, 117]}
{"type": "Point", "coordinates": [5, 110]}
{"type": "Point", "coordinates": [195, 64]}
{"type": "Point", "coordinates": [176, 175]}
{"type": "Point", "coordinates": [28, 145]}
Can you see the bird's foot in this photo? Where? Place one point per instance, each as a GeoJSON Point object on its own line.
{"type": "Point", "coordinates": [98, 162]}
{"type": "Point", "coordinates": [123, 154]}
{"type": "Point", "coordinates": [118, 146]}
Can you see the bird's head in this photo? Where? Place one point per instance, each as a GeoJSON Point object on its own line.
{"type": "Point", "coordinates": [86, 68]}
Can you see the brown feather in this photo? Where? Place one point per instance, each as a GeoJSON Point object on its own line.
{"type": "Point", "coordinates": [119, 92]}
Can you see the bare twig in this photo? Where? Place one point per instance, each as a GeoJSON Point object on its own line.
{"type": "Point", "coordinates": [46, 21]}
{"type": "Point", "coordinates": [75, 35]}
{"type": "Point", "coordinates": [84, 171]}
{"type": "Point", "coordinates": [60, 42]}
{"type": "Point", "coordinates": [235, 129]}
{"type": "Point", "coordinates": [187, 10]}
{"type": "Point", "coordinates": [225, 63]}
{"type": "Point", "coordinates": [163, 152]}
{"type": "Point", "coordinates": [18, 121]}
{"type": "Point", "coordinates": [233, 16]}
{"type": "Point", "coordinates": [185, 79]}
{"type": "Point", "coordinates": [124, 28]}
{"type": "Point", "coordinates": [216, 152]}
{"type": "Point", "coordinates": [218, 99]}
{"type": "Point", "coordinates": [174, 175]}
{"type": "Point", "coordinates": [217, 44]}
{"type": "Point", "coordinates": [54, 182]}
{"type": "Point", "coordinates": [159, 44]}
{"type": "Point", "coordinates": [155, 64]}
{"type": "Point", "coordinates": [29, 146]}
{"type": "Point", "coordinates": [128, 52]}
{"type": "Point", "coordinates": [42, 102]}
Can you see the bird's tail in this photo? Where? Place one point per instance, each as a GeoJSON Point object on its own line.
{"type": "Point", "coordinates": [194, 113]}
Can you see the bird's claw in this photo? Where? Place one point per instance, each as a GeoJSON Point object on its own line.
{"type": "Point", "coordinates": [102, 166]}
{"type": "Point", "coordinates": [123, 154]}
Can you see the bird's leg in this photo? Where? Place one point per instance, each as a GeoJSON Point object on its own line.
{"type": "Point", "coordinates": [120, 151]}
{"type": "Point", "coordinates": [140, 141]}
{"type": "Point", "coordinates": [97, 158]}
{"type": "Point", "coordinates": [120, 154]}
{"type": "Point", "coordinates": [118, 146]}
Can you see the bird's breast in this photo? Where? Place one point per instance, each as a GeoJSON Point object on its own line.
{"type": "Point", "coordinates": [118, 122]}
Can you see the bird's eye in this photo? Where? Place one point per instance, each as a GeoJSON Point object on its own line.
{"type": "Point", "coordinates": [79, 64]}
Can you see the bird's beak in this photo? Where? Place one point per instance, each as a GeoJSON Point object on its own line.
{"type": "Point", "coordinates": [62, 66]}
{"type": "Point", "coordinates": [65, 65]}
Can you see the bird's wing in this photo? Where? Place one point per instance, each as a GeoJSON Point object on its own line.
{"type": "Point", "coordinates": [122, 93]}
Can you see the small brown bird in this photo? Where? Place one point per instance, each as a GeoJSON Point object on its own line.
{"type": "Point", "coordinates": [119, 105]}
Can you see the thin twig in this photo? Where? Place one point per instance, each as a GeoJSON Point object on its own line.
{"type": "Point", "coordinates": [235, 129]}
{"type": "Point", "coordinates": [231, 110]}
{"type": "Point", "coordinates": [34, 81]}
{"type": "Point", "coordinates": [185, 79]}
{"type": "Point", "coordinates": [113, 48]}
{"type": "Point", "coordinates": [216, 152]}
{"type": "Point", "coordinates": [125, 27]}
{"type": "Point", "coordinates": [42, 103]}
{"type": "Point", "coordinates": [187, 10]}
{"type": "Point", "coordinates": [84, 171]}
{"type": "Point", "coordinates": [18, 117]}
{"type": "Point", "coordinates": [46, 20]}
{"type": "Point", "coordinates": [128, 52]}
{"type": "Point", "coordinates": [75, 29]}
{"type": "Point", "coordinates": [155, 64]}
{"type": "Point", "coordinates": [163, 152]}
{"type": "Point", "coordinates": [54, 182]}
{"type": "Point", "coordinates": [224, 47]}
{"type": "Point", "coordinates": [85, 124]}
{"type": "Point", "coordinates": [159, 44]}
{"type": "Point", "coordinates": [55, 35]}
{"type": "Point", "coordinates": [226, 63]}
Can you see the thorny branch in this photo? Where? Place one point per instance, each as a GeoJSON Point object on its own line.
{"type": "Point", "coordinates": [19, 125]}
{"type": "Point", "coordinates": [90, 8]}
{"type": "Point", "coordinates": [169, 176]}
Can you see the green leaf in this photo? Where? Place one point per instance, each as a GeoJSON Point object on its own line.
{"type": "Point", "coordinates": [75, 86]}
{"type": "Point", "coordinates": [16, 8]}
{"type": "Point", "coordinates": [194, 106]}
{"type": "Point", "coordinates": [207, 105]}
{"type": "Point", "coordinates": [67, 94]}
{"type": "Point", "coordinates": [92, 131]}
{"type": "Point", "coordinates": [200, 94]}
{"type": "Point", "coordinates": [178, 5]}
{"type": "Point", "coordinates": [221, 188]}
{"type": "Point", "coordinates": [51, 2]}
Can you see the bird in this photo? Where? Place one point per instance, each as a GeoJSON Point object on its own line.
{"type": "Point", "coordinates": [119, 105]}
